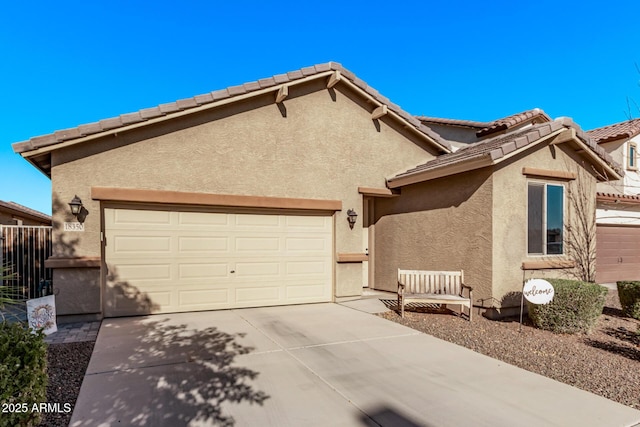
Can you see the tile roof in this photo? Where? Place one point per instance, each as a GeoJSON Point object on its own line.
{"type": "Point", "coordinates": [500, 146]}
{"type": "Point", "coordinates": [488, 128]}
{"type": "Point", "coordinates": [514, 120]}
{"type": "Point", "coordinates": [454, 122]}
{"type": "Point", "coordinates": [627, 129]}
{"type": "Point", "coordinates": [13, 206]}
{"type": "Point", "coordinates": [618, 198]}
{"type": "Point", "coordinates": [166, 110]}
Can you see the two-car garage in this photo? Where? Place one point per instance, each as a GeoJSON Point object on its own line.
{"type": "Point", "coordinates": [179, 260]}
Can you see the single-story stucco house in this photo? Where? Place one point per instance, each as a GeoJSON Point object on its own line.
{"type": "Point", "coordinates": [300, 188]}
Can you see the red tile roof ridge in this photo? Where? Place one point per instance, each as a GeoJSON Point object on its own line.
{"type": "Point", "coordinates": [488, 128]}
{"type": "Point", "coordinates": [501, 145]}
{"type": "Point", "coordinates": [514, 120]}
{"type": "Point", "coordinates": [625, 129]}
{"type": "Point", "coordinates": [170, 108]}
{"type": "Point", "coordinates": [454, 122]}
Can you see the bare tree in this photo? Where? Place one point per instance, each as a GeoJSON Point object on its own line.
{"type": "Point", "coordinates": [632, 105]}
{"type": "Point", "coordinates": [580, 240]}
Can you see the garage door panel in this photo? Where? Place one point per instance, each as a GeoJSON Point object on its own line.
{"type": "Point", "coordinates": [258, 221]}
{"type": "Point", "coordinates": [617, 253]}
{"type": "Point", "coordinates": [125, 304]}
{"type": "Point", "coordinates": [301, 292]}
{"type": "Point", "coordinates": [306, 244]}
{"type": "Point", "coordinates": [258, 295]}
{"type": "Point", "coordinates": [199, 298]}
{"type": "Point", "coordinates": [297, 268]}
{"type": "Point", "coordinates": [266, 269]}
{"type": "Point", "coordinates": [135, 272]}
{"type": "Point", "coordinates": [203, 271]}
{"type": "Point", "coordinates": [141, 244]}
{"type": "Point", "coordinates": [204, 244]}
{"type": "Point", "coordinates": [211, 220]}
{"type": "Point", "coordinates": [308, 222]}
{"type": "Point", "coordinates": [127, 216]}
{"type": "Point", "coordinates": [187, 263]}
{"type": "Point", "coordinates": [257, 244]}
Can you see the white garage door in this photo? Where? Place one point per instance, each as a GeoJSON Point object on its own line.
{"type": "Point", "coordinates": [168, 261]}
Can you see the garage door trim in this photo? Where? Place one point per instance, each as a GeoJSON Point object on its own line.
{"type": "Point", "coordinates": [212, 199]}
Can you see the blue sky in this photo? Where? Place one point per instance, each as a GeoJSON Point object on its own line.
{"type": "Point", "coordinates": [68, 63]}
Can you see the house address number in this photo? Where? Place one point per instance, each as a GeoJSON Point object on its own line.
{"type": "Point", "coordinates": [73, 226]}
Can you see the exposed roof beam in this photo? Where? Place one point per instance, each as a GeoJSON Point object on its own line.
{"type": "Point", "coordinates": [283, 92]}
{"type": "Point", "coordinates": [334, 79]}
{"type": "Point", "coordinates": [379, 112]}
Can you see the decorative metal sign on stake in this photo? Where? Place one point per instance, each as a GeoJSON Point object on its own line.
{"type": "Point", "coordinates": [536, 291]}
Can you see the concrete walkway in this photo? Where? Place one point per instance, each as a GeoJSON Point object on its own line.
{"type": "Point", "coordinates": [321, 364]}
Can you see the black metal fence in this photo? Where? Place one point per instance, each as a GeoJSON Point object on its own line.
{"type": "Point", "coordinates": [23, 250]}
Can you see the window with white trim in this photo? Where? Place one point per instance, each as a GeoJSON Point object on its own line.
{"type": "Point", "coordinates": [545, 219]}
{"type": "Point", "coordinates": [632, 158]}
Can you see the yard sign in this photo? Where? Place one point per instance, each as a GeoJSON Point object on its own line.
{"type": "Point", "coordinates": [41, 313]}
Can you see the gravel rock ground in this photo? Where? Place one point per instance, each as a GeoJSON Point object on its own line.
{"type": "Point", "coordinates": [605, 362]}
{"type": "Point", "coordinates": [67, 364]}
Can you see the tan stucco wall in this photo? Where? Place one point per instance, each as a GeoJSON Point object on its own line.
{"type": "Point", "coordinates": [510, 217]}
{"type": "Point", "coordinates": [77, 290]}
{"type": "Point", "coordinates": [325, 147]}
{"type": "Point", "coordinates": [444, 224]}
{"type": "Point", "coordinates": [618, 151]}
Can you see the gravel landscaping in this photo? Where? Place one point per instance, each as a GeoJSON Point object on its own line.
{"type": "Point", "coordinates": [67, 364]}
{"type": "Point", "coordinates": [605, 362]}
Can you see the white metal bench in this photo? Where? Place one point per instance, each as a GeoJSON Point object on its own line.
{"type": "Point", "coordinates": [433, 287]}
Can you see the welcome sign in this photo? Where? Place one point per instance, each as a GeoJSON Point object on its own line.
{"type": "Point", "coordinates": [41, 314]}
{"type": "Point", "coordinates": [538, 291]}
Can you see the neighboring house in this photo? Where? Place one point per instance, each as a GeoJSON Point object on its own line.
{"type": "Point", "coordinates": [12, 213]}
{"type": "Point", "coordinates": [246, 197]}
{"type": "Point", "coordinates": [618, 208]}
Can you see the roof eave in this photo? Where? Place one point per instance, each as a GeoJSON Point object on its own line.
{"type": "Point", "coordinates": [27, 149]}
{"type": "Point", "coordinates": [490, 158]}
{"type": "Point", "coordinates": [610, 173]}
{"type": "Point", "coordinates": [170, 116]}
{"type": "Point", "coordinates": [618, 200]}
{"type": "Point", "coordinates": [441, 172]}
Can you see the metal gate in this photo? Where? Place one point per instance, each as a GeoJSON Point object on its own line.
{"type": "Point", "coordinates": [23, 250]}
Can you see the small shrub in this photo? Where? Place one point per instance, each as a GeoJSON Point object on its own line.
{"type": "Point", "coordinates": [23, 374]}
{"type": "Point", "coordinates": [629, 294]}
{"type": "Point", "coordinates": [575, 307]}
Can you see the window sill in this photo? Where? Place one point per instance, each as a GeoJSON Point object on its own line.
{"type": "Point", "coordinates": [548, 264]}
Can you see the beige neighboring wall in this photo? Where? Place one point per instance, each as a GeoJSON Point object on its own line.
{"type": "Point", "coordinates": [325, 148]}
{"type": "Point", "coordinates": [443, 224]}
{"type": "Point", "coordinates": [617, 150]}
{"type": "Point", "coordinates": [510, 218]}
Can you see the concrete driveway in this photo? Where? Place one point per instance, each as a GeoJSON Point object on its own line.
{"type": "Point", "coordinates": [321, 364]}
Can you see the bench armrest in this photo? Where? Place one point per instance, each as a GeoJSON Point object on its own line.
{"type": "Point", "coordinates": [467, 287]}
{"type": "Point", "coordinates": [401, 287]}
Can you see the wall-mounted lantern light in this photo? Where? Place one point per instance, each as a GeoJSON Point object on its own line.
{"type": "Point", "coordinates": [351, 217]}
{"type": "Point", "coordinates": [76, 206]}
